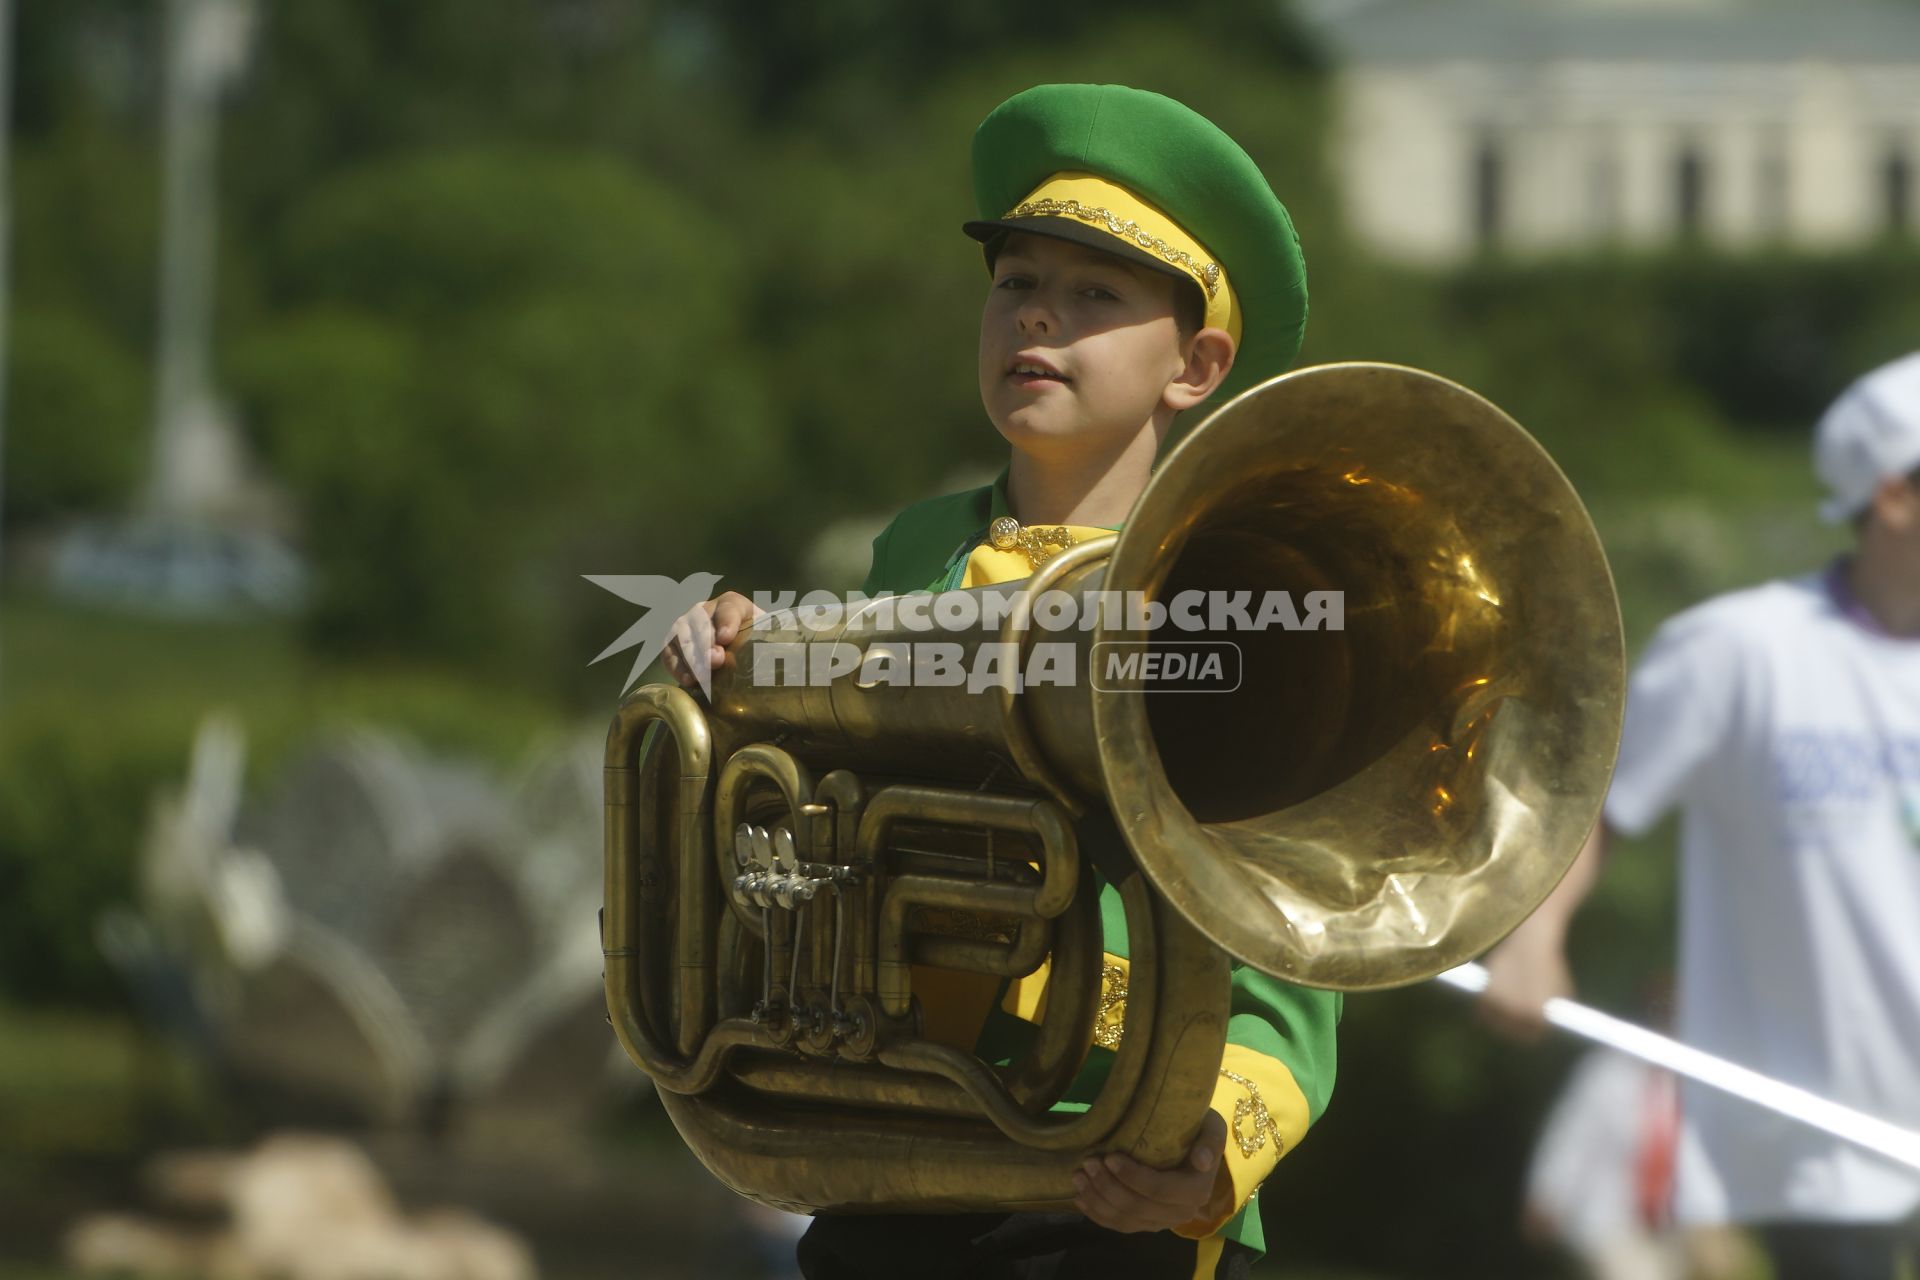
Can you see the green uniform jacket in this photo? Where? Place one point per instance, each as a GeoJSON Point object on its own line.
{"type": "Point", "coordinates": [926, 548]}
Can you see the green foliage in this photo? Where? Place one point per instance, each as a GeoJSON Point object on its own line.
{"type": "Point", "coordinates": [70, 820]}
{"type": "Point", "coordinates": [783, 53]}
{"type": "Point", "coordinates": [478, 354]}
{"type": "Point", "coordinates": [1676, 374]}
{"type": "Point", "coordinates": [87, 226]}
{"type": "Point", "coordinates": [1771, 341]}
{"type": "Point", "coordinates": [78, 394]}
{"type": "Point", "coordinates": [76, 416]}
{"type": "Point", "coordinates": [99, 717]}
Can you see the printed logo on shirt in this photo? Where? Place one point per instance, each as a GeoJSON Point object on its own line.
{"type": "Point", "coordinates": [1844, 766]}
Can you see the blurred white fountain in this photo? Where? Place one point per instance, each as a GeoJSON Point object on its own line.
{"type": "Point", "coordinates": [384, 937]}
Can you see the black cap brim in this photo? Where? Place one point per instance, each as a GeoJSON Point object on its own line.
{"type": "Point", "coordinates": [991, 233]}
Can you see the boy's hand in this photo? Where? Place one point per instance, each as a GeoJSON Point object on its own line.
{"type": "Point", "coordinates": [1124, 1195]}
{"type": "Point", "coordinates": [701, 638]}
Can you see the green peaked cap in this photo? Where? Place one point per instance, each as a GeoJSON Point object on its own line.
{"type": "Point", "coordinates": [1176, 158]}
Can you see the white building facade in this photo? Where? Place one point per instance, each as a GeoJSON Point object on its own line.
{"type": "Point", "coordinates": [1561, 125]}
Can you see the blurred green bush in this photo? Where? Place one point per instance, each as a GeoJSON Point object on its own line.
{"type": "Point", "coordinates": [73, 801]}
{"type": "Point", "coordinates": [479, 362]}
{"type": "Point", "coordinates": [100, 713]}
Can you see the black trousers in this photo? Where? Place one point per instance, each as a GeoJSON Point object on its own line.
{"type": "Point", "coordinates": [999, 1246]}
{"type": "Point", "coordinates": [1839, 1250]}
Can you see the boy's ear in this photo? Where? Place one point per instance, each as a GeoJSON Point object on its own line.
{"type": "Point", "coordinates": [1209, 357]}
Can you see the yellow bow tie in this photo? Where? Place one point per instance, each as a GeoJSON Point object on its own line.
{"type": "Point", "coordinates": [1014, 551]}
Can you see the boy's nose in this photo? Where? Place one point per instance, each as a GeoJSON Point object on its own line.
{"type": "Point", "coordinates": [1034, 317]}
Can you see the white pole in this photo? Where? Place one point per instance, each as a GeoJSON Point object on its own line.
{"type": "Point", "coordinates": [186, 248]}
{"type": "Point", "coordinates": [206, 47]}
{"type": "Point", "coordinates": [1874, 1134]}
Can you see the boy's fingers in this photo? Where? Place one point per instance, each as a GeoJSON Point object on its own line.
{"type": "Point", "coordinates": [1102, 1201]}
{"type": "Point", "coordinates": [1094, 1208]}
{"type": "Point", "coordinates": [732, 611]}
{"type": "Point", "coordinates": [700, 619]}
{"type": "Point", "coordinates": [1137, 1192]}
{"type": "Point", "coordinates": [679, 642]}
{"type": "Point", "coordinates": [1171, 1188]}
{"type": "Point", "coordinates": [1211, 1144]}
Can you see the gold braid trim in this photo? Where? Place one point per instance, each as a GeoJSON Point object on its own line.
{"type": "Point", "coordinates": [1110, 1018]}
{"type": "Point", "coordinates": [1038, 543]}
{"type": "Point", "coordinates": [1207, 273]}
{"type": "Point", "coordinates": [1252, 1105]}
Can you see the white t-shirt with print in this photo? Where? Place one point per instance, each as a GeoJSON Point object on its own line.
{"type": "Point", "coordinates": [1789, 735]}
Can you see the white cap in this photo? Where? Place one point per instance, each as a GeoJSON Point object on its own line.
{"type": "Point", "coordinates": [1871, 432]}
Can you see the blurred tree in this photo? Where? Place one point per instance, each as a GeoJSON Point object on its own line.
{"type": "Point", "coordinates": [83, 189]}
{"type": "Point", "coordinates": [77, 408]}
{"type": "Point", "coordinates": [480, 358]}
{"type": "Point", "coordinates": [781, 54]}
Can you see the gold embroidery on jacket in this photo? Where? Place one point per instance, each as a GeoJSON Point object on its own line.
{"type": "Point", "coordinates": [1110, 1019]}
{"type": "Point", "coordinates": [1252, 1105]}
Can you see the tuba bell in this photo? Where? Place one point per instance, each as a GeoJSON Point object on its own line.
{"type": "Point", "coordinates": [1383, 801]}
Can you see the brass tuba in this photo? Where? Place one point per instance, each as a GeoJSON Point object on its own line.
{"type": "Point", "coordinates": [1377, 803]}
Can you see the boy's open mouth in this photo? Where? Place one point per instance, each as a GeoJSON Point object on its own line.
{"type": "Point", "coordinates": [1023, 370]}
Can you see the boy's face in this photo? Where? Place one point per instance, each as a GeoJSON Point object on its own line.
{"type": "Point", "coordinates": [1101, 328]}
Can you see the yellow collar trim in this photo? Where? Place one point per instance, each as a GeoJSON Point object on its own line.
{"type": "Point", "coordinates": [1103, 203]}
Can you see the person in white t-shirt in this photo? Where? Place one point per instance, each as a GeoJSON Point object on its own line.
{"type": "Point", "coordinates": [1784, 722]}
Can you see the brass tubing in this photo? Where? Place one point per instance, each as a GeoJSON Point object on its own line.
{"type": "Point", "coordinates": [1067, 771]}
{"type": "Point", "coordinates": [1041, 1132]}
{"type": "Point", "coordinates": [1014, 959]}
{"type": "Point", "coordinates": [1041, 1076]}
{"type": "Point", "coordinates": [1059, 869]}
{"type": "Point", "coordinates": [1060, 857]}
{"type": "Point", "coordinates": [1117, 1102]}
{"type": "Point", "coordinates": [694, 932]}
{"type": "Point", "coordinates": [803, 1158]}
{"type": "Point", "coordinates": [1059, 861]}
{"type": "Point", "coordinates": [698, 1075]}
{"type": "Point", "coordinates": [851, 1083]}
{"type": "Point", "coordinates": [906, 892]}
{"type": "Point", "coordinates": [1179, 983]}
{"type": "Point", "coordinates": [1123, 1081]}
{"type": "Point", "coordinates": [625, 881]}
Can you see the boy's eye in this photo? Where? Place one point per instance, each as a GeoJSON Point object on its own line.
{"type": "Point", "coordinates": [1013, 282]}
{"type": "Point", "coordinates": [1100, 293]}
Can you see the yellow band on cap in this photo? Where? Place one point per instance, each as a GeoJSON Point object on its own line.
{"type": "Point", "coordinates": [1107, 206]}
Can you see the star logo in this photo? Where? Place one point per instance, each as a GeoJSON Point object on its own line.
{"type": "Point", "coordinates": [663, 600]}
